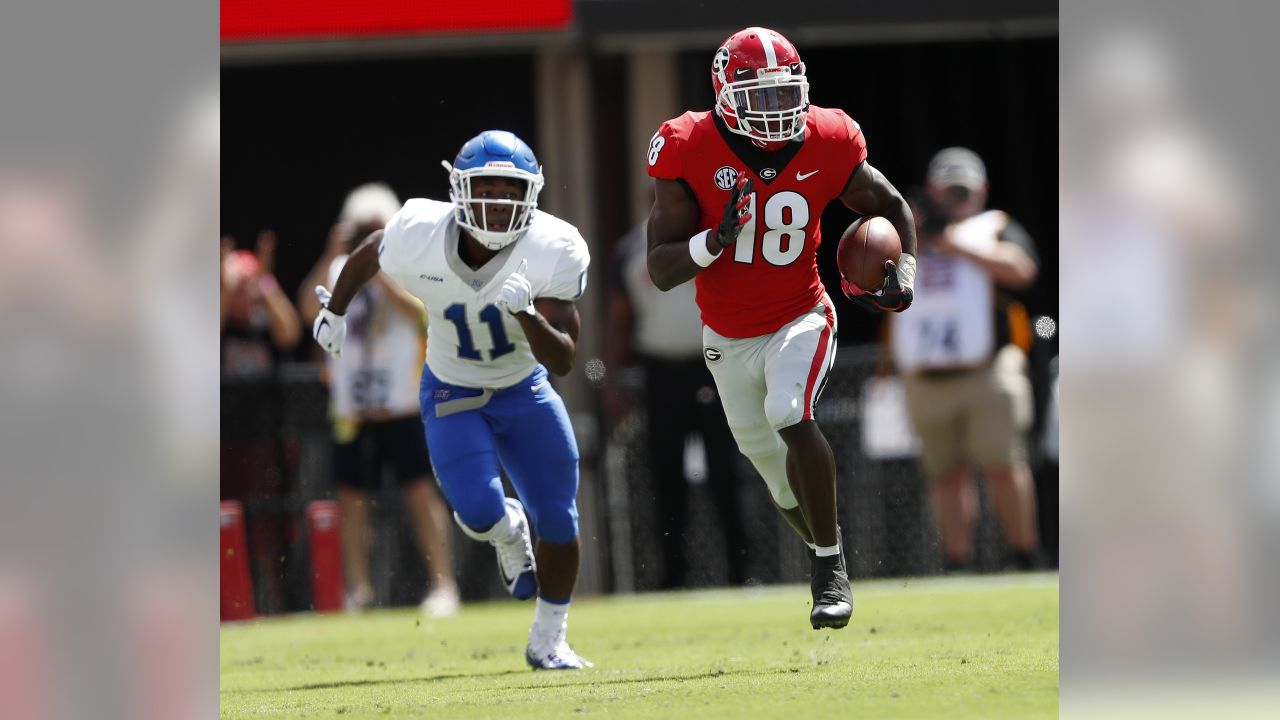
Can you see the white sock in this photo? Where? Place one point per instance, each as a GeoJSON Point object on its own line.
{"type": "Point", "coordinates": [548, 620]}
{"type": "Point", "coordinates": [505, 528]}
{"type": "Point", "coordinates": [821, 551]}
{"type": "Point", "coordinates": [501, 530]}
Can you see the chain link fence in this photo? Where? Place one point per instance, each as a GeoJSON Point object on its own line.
{"type": "Point", "coordinates": [883, 503]}
{"type": "Point", "coordinates": [275, 459]}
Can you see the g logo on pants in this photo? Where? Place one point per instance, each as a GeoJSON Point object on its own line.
{"type": "Point", "coordinates": [713, 355]}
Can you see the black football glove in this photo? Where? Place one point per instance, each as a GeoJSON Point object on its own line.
{"type": "Point", "coordinates": [894, 296]}
{"type": "Point", "coordinates": [736, 212]}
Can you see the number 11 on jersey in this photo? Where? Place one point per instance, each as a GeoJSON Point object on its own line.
{"type": "Point", "coordinates": [489, 315]}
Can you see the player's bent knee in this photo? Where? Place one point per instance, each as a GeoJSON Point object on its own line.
{"type": "Point", "coordinates": [557, 525]}
{"type": "Point", "coordinates": [476, 505]}
{"type": "Point", "coordinates": [783, 409]}
{"type": "Point", "coordinates": [477, 513]}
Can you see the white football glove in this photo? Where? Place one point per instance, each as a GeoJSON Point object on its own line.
{"type": "Point", "coordinates": [516, 295]}
{"type": "Point", "coordinates": [330, 328]}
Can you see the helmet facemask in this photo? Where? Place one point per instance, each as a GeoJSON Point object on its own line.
{"type": "Point", "coordinates": [473, 213]}
{"type": "Point", "coordinates": [770, 107]}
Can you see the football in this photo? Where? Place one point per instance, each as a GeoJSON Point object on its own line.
{"type": "Point", "coordinates": [863, 250]}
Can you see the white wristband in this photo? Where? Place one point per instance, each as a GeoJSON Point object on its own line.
{"type": "Point", "coordinates": [907, 270]}
{"type": "Point", "coordinates": [698, 249]}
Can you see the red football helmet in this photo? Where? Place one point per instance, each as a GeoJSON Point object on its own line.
{"type": "Point", "coordinates": [761, 91]}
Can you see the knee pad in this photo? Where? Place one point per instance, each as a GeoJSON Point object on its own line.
{"type": "Point", "coordinates": [783, 409]}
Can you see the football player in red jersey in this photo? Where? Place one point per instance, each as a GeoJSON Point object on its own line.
{"type": "Point", "coordinates": [739, 195]}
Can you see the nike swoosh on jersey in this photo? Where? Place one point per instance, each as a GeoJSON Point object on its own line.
{"type": "Point", "coordinates": [802, 176]}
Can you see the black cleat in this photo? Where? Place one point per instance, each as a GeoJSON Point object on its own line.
{"type": "Point", "coordinates": [832, 599]}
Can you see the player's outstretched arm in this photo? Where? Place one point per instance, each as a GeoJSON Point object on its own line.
{"type": "Point", "coordinates": [330, 327]}
{"type": "Point", "coordinates": [359, 269]}
{"type": "Point", "coordinates": [340, 237]}
{"type": "Point", "coordinates": [552, 332]}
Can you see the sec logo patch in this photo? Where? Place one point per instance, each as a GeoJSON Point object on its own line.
{"type": "Point", "coordinates": [713, 355]}
{"type": "Point", "coordinates": [725, 177]}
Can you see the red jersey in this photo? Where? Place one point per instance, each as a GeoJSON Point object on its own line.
{"type": "Point", "coordinates": [770, 276]}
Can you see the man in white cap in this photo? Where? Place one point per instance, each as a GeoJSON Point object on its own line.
{"type": "Point", "coordinates": [962, 354]}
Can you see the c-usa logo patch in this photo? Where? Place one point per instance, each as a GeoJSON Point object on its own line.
{"type": "Point", "coordinates": [713, 355]}
{"type": "Point", "coordinates": [725, 177]}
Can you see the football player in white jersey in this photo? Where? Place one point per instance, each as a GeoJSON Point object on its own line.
{"type": "Point", "coordinates": [499, 280]}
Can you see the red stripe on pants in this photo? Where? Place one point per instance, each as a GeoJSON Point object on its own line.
{"type": "Point", "coordinates": [815, 369]}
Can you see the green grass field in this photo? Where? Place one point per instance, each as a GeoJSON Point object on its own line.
{"type": "Point", "coordinates": [984, 647]}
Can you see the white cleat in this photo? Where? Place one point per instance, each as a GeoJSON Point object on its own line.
{"type": "Point", "coordinates": [558, 657]}
{"type": "Point", "coordinates": [515, 557]}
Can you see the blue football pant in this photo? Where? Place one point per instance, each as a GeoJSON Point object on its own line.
{"type": "Point", "coordinates": [524, 430]}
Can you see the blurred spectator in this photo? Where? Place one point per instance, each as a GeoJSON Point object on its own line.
{"type": "Point", "coordinates": [258, 321]}
{"type": "Point", "coordinates": [373, 390]}
{"type": "Point", "coordinates": [662, 334]}
{"type": "Point", "coordinates": [259, 324]}
{"type": "Point", "coordinates": [962, 352]}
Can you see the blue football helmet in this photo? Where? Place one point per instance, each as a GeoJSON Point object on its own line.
{"type": "Point", "coordinates": [494, 153]}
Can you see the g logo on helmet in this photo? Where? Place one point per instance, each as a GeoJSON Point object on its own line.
{"type": "Point", "coordinates": [713, 355]}
{"type": "Point", "coordinates": [725, 177]}
{"type": "Point", "coordinates": [721, 63]}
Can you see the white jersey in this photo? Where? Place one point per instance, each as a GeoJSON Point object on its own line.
{"type": "Point", "coordinates": [378, 372]}
{"type": "Point", "coordinates": [951, 322]}
{"type": "Point", "coordinates": [470, 341]}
